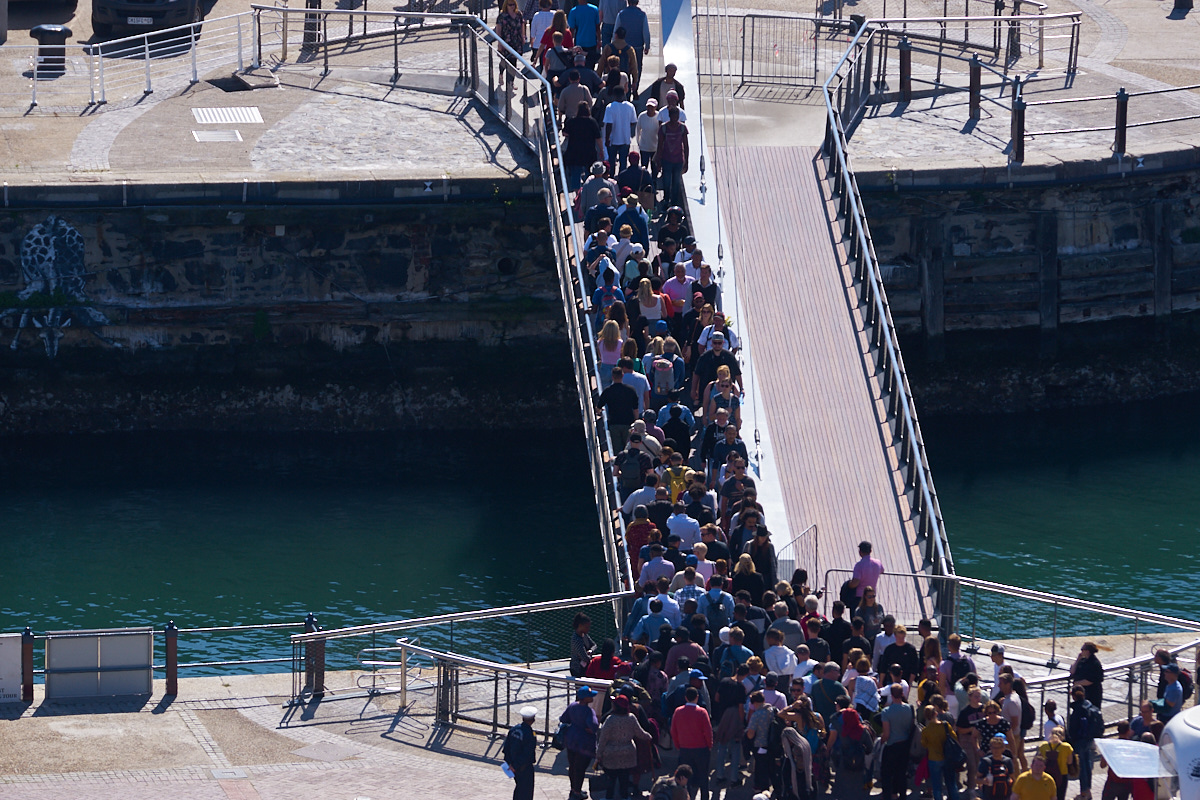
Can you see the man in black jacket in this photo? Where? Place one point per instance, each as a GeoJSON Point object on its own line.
{"type": "Point", "coordinates": [520, 753]}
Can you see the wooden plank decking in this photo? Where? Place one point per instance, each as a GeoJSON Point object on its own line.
{"type": "Point", "coordinates": [807, 354]}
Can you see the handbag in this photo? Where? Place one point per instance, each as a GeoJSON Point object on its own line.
{"type": "Point", "coordinates": [952, 752]}
{"type": "Point", "coordinates": [1073, 767]}
{"type": "Point", "coordinates": [600, 784]}
{"type": "Point", "coordinates": [559, 740]}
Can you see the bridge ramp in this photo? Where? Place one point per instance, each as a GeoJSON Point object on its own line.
{"type": "Point", "coordinates": [801, 314]}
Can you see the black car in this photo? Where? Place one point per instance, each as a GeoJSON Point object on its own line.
{"type": "Point", "coordinates": [136, 16]}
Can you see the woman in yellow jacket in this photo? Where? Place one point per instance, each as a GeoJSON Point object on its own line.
{"type": "Point", "coordinates": [1058, 755]}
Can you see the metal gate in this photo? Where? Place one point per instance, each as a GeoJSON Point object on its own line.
{"type": "Point", "coordinates": [757, 49]}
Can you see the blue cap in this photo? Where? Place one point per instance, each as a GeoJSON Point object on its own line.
{"type": "Point", "coordinates": [661, 326]}
{"type": "Point", "coordinates": [1001, 737]}
{"type": "Point", "coordinates": [691, 561]}
{"type": "Point", "coordinates": [696, 674]}
{"type": "Point", "coordinates": [585, 693]}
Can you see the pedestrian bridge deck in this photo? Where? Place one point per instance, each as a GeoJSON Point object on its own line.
{"type": "Point", "coordinates": [821, 402]}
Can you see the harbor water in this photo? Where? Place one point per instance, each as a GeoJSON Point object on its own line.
{"type": "Point", "coordinates": [231, 529]}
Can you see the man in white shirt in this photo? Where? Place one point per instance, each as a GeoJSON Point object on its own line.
{"type": "Point", "coordinates": [647, 136]}
{"type": "Point", "coordinates": [884, 638]}
{"type": "Point", "coordinates": [540, 23]}
{"type": "Point", "coordinates": [673, 102]}
{"type": "Point", "coordinates": [778, 658]}
{"type": "Point", "coordinates": [620, 123]}
{"type": "Point", "coordinates": [704, 567]}
{"type": "Point", "coordinates": [705, 339]}
{"type": "Point", "coordinates": [997, 665]}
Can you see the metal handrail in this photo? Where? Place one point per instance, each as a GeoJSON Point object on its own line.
{"type": "Point", "coordinates": [909, 440]}
{"type": "Point", "coordinates": [460, 616]}
{"type": "Point", "coordinates": [491, 666]}
{"type": "Point", "coordinates": [1117, 666]}
{"type": "Point", "coordinates": [816, 547]}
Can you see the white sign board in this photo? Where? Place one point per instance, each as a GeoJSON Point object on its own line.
{"type": "Point", "coordinates": [10, 667]}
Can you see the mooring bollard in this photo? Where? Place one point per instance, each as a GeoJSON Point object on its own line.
{"type": "Point", "coordinates": [905, 70]}
{"type": "Point", "coordinates": [976, 85]}
{"type": "Point", "coordinates": [1122, 121]}
{"type": "Point", "coordinates": [171, 635]}
{"type": "Point", "coordinates": [27, 665]}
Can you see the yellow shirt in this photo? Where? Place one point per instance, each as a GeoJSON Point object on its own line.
{"type": "Point", "coordinates": [1028, 787]}
{"type": "Point", "coordinates": [1064, 752]}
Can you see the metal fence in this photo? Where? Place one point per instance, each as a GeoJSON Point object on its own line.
{"type": "Point", "coordinates": [474, 692]}
{"type": "Point", "coordinates": [802, 552]}
{"type": "Point", "coordinates": [525, 634]}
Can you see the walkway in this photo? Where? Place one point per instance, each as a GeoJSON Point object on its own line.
{"type": "Point", "coordinates": [820, 406]}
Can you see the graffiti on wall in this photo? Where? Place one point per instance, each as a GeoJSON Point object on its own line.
{"type": "Point", "coordinates": [54, 297]}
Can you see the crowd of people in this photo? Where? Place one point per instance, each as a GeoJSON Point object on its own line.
{"type": "Point", "coordinates": [750, 683]}
{"type": "Point", "coordinates": [720, 658]}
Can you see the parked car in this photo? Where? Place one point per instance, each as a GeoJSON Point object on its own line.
{"type": "Point", "coordinates": [136, 16]}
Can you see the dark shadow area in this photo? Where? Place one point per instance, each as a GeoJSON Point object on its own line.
{"type": "Point", "coordinates": [163, 704]}
{"type": "Point", "coordinates": [111, 705]}
{"type": "Point", "coordinates": [13, 711]}
{"type": "Point", "coordinates": [24, 16]}
{"type": "Point", "coordinates": [1179, 13]}
{"type": "Point", "coordinates": [229, 85]}
{"type": "Point", "coordinates": [970, 126]}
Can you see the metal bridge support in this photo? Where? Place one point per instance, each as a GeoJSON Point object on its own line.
{"type": "Point", "coordinates": [905, 70]}
{"type": "Point", "coordinates": [1018, 131]}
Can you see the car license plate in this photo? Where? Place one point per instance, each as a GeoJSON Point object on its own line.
{"type": "Point", "coordinates": [140, 20]}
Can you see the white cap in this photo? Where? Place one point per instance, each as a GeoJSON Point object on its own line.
{"type": "Point", "coordinates": [528, 712]}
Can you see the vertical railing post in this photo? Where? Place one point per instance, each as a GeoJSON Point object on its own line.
{"type": "Point", "coordinates": [1041, 38]}
{"type": "Point", "coordinates": [99, 50]}
{"type": "Point", "coordinates": [976, 85]}
{"type": "Point", "coordinates": [256, 33]}
{"type": "Point", "coordinates": [146, 55]}
{"type": "Point", "coordinates": [91, 75]}
{"type": "Point", "coordinates": [241, 63]}
{"type": "Point", "coordinates": [403, 674]}
{"type": "Point", "coordinates": [33, 98]}
{"type": "Point", "coordinates": [905, 70]}
{"type": "Point", "coordinates": [171, 637]}
{"type": "Point", "coordinates": [1122, 121]}
{"type": "Point", "coordinates": [1054, 638]}
{"type": "Point", "coordinates": [283, 56]}
{"type": "Point", "coordinates": [27, 665]}
{"type": "Point", "coordinates": [997, 11]}
{"type": "Point", "coordinates": [1018, 130]}
{"type": "Point", "coordinates": [314, 659]}
{"type": "Point", "coordinates": [195, 68]}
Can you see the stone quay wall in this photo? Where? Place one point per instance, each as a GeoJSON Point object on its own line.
{"type": "Point", "coordinates": [1047, 263]}
{"type": "Point", "coordinates": [329, 317]}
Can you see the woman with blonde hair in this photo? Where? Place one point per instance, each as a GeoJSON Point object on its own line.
{"type": "Point", "coordinates": [721, 394]}
{"type": "Point", "coordinates": [650, 302]}
{"type": "Point", "coordinates": [609, 345]}
{"type": "Point", "coordinates": [655, 350]}
{"type": "Point", "coordinates": [1058, 755]}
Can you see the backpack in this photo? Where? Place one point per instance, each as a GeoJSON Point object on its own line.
{"type": "Point", "coordinates": [664, 789]}
{"type": "Point", "coordinates": [775, 736]}
{"type": "Point", "coordinates": [1028, 715]}
{"type": "Point", "coordinates": [854, 758]}
{"type": "Point", "coordinates": [718, 617]}
{"type": "Point", "coordinates": [1095, 721]}
{"type": "Point", "coordinates": [960, 668]}
{"type": "Point", "coordinates": [676, 482]}
{"type": "Point", "coordinates": [630, 465]}
{"type": "Point", "coordinates": [1185, 680]}
{"type": "Point", "coordinates": [952, 752]}
{"type": "Point", "coordinates": [608, 296]}
{"type": "Point", "coordinates": [664, 376]}
{"type": "Point", "coordinates": [729, 664]}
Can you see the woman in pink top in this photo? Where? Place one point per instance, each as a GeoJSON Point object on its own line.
{"type": "Point", "coordinates": [608, 347]}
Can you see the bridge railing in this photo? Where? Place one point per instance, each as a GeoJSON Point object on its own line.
{"type": "Point", "coordinates": [476, 693]}
{"type": "Point", "coordinates": [523, 634]}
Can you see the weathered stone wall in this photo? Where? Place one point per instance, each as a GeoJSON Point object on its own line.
{"type": "Point", "coordinates": [338, 317]}
{"type": "Point", "coordinates": [1039, 259]}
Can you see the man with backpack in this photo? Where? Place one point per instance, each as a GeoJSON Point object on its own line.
{"type": "Point", "coordinates": [1085, 726]}
{"type": "Point", "coordinates": [1164, 659]}
{"type": "Point", "coordinates": [717, 607]}
{"type": "Point", "coordinates": [758, 730]}
{"type": "Point", "coordinates": [1171, 703]}
{"type": "Point", "coordinates": [632, 465]}
{"type": "Point", "coordinates": [954, 667]}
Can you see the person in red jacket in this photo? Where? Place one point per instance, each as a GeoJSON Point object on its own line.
{"type": "Point", "coordinates": [692, 733]}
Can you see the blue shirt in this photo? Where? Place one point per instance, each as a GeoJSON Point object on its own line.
{"type": "Point", "coordinates": [648, 626]}
{"type": "Point", "coordinates": [636, 25]}
{"type": "Point", "coordinates": [583, 20]}
{"type": "Point", "coordinates": [664, 414]}
{"type": "Point", "coordinates": [1172, 701]}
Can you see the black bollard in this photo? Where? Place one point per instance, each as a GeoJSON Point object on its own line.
{"type": "Point", "coordinates": [976, 85]}
{"type": "Point", "coordinates": [905, 70]}
{"type": "Point", "coordinates": [52, 48]}
{"type": "Point", "coordinates": [171, 634]}
{"type": "Point", "coordinates": [1122, 121]}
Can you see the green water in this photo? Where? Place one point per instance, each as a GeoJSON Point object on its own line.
{"type": "Point", "coordinates": [211, 530]}
{"type": "Point", "coordinates": [1102, 503]}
